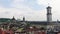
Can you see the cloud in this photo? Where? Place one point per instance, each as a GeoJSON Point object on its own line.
{"type": "Point", "coordinates": [28, 8]}
{"type": "Point", "coordinates": [34, 5]}
{"type": "Point", "coordinates": [31, 9]}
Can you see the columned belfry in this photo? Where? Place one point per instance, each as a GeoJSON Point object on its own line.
{"type": "Point", "coordinates": [49, 14]}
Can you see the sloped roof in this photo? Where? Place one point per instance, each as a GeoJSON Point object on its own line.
{"type": "Point", "coordinates": [37, 22]}
{"type": "Point", "coordinates": [41, 22]}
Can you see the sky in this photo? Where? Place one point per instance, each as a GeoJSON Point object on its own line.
{"type": "Point", "coordinates": [32, 10]}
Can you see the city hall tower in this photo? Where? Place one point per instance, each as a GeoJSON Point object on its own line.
{"type": "Point", "coordinates": [49, 14]}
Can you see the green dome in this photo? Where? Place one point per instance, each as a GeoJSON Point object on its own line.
{"type": "Point", "coordinates": [4, 19]}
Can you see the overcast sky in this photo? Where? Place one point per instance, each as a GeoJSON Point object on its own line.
{"type": "Point", "coordinates": [31, 9]}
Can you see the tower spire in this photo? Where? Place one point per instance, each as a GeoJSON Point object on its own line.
{"type": "Point", "coordinates": [23, 18]}
{"type": "Point", "coordinates": [13, 18]}
{"type": "Point", "coordinates": [48, 4]}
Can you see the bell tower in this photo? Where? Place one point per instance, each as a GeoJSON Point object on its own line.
{"type": "Point", "coordinates": [49, 14]}
{"type": "Point", "coordinates": [23, 19]}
